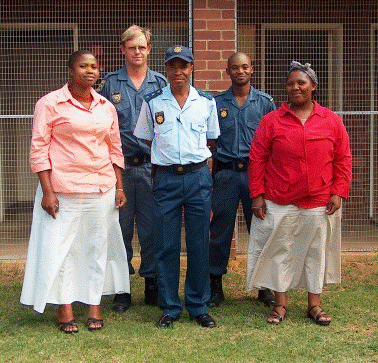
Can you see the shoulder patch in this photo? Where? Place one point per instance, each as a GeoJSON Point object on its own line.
{"type": "Point", "coordinates": [101, 85]}
{"type": "Point", "coordinates": [207, 95]}
{"type": "Point", "coordinates": [149, 96]}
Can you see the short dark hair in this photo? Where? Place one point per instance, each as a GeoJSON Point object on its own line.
{"type": "Point", "coordinates": [76, 55]}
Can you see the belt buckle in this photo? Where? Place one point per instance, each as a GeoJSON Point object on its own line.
{"type": "Point", "coordinates": [136, 160]}
{"type": "Point", "coordinates": [240, 165]}
{"type": "Point", "coordinates": [179, 169]}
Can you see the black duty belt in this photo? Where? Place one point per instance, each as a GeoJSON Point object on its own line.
{"type": "Point", "coordinates": [137, 159]}
{"type": "Point", "coordinates": [181, 169]}
{"type": "Point", "coordinates": [237, 165]}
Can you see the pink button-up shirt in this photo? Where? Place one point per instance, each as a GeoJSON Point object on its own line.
{"type": "Point", "coordinates": [298, 164]}
{"type": "Point", "coordinates": [80, 146]}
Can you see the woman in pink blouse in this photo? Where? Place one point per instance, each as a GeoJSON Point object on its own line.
{"type": "Point", "coordinates": [76, 251]}
{"type": "Point", "coordinates": [300, 170]}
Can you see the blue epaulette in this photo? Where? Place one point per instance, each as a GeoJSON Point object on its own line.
{"type": "Point", "coordinates": [269, 97]}
{"type": "Point", "coordinates": [209, 96]}
{"type": "Point", "coordinates": [150, 96]}
{"type": "Point", "coordinates": [220, 94]}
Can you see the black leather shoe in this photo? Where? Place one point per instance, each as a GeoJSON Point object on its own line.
{"type": "Point", "coordinates": [150, 291]}
{"type": "Point", "coordinates": [217, 296]}
{"type": "Point", "coordinates": [121, 303]}
{"type": "Point", "coordinates": [266, 297]}
{"type": "Point", "coordinates": [205, 320]}
{"type": "Point", "coordinates": [165, 321]}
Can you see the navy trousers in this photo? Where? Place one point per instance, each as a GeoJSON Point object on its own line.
{"type": "Point", "coordinates": [173, 194]}
{"type": "Point", "coordinates": [229, 188]}
{"type": "Point", "coordinates": [138, 189]}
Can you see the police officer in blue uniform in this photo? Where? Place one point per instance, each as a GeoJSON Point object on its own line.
{"type": "Point", "coordinates": [181, 123]}
{"type": "Point", "coordinates": [125, 88]}
{"type": "Point", "coordinates": [240, 109]}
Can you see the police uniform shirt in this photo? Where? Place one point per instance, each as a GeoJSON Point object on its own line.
{"type": "Point", "coordinates": [179, 136]}
{"type": "Point", "coordinates": [238, 123]}
{"type": "Point", "coordinates": [120, 90]}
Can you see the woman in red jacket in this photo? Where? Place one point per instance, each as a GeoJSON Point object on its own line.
{"type": "Point", "coordinates": [300, 169]}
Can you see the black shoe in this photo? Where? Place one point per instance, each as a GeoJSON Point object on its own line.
{"type": "Point", "coordinates": [205, 320]}
{"type": "Point", "coordinates": [150, 291]}
{"type": "Point", "coordinates": [266, 297]}
{"type": "Point", "coordinates": [165, 321]}
{"type": "Point", "coordinates": [121, 303]}
{"type": "Point", "coordinates": [217, 296]}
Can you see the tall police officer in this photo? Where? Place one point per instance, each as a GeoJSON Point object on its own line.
{"type": "Point", "coordinates": [181, 123]}
{"type": "Point", "coordinates": [240, 109]}
{"type": "Point", "coordinates": [125, 88]}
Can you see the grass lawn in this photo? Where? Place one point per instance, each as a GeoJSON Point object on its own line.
{"type": "Point", "coordinates": [242, 334]}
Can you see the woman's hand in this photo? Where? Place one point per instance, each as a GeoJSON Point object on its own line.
{"type": "Point", "coordinates": [259, 207]}
{"type": "Point", "coordinates": [334, 204]}
{"type": "Point", "coordinates": [50, 203]}
{"type": "Point", "coordinates": [120, 198]}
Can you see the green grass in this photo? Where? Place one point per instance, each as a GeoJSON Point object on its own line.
{"type": "Point", "coordinates": [242, 334]}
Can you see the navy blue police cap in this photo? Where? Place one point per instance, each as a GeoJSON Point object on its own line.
{"type": "Point", "coordinates": [179, 51]}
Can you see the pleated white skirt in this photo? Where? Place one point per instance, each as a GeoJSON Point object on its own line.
{"type": "Point", "coordinates": [79, 256]}
{"type": "Point", "coordinates": [294, 247]}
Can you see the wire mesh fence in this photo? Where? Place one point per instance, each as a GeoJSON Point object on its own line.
{"type": "Point", "coordinates": [339, 38]}
{"type": "Point", "coordinates": [37, 38]}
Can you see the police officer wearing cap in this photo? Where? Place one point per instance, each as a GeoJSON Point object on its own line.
{"type": "Point", "coordinates": [240, 109]}
{"type": "Point", "coordinates": [125, 88]}
{"type": "Point", "coordinates": [181, 123]}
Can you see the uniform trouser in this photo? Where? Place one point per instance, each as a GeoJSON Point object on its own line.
{"type": "Point", "coordinates": [172, 194]}
{"type": "Point", "coordinates": [229, 188]}
{"type": "Point", "coordinates": [138, 189]}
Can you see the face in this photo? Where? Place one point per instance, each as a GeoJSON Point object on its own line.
{"type": "Point", "coordinates": [178, 72]}
{"type": "Point", "coordinates": [239, 69]}
{"type": "Point", "coordinates": [299, 88]}
{"type": "Point", "coordinates": [85, 71]}
{"type": "Point", "coordinates": [136, 51]}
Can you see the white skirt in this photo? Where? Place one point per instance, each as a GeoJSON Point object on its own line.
{"type": "Point", "coordinates": [294, 247]}
{"type": "Point", "coordinates": [79, 256]}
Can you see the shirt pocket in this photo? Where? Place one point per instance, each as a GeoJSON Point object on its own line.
{"type": "Point", "coordinates": [200, 133]}
{"type": "Point", "coordinates": [162, 129]}
{"type": "Point", "coordinates": [123, 110]}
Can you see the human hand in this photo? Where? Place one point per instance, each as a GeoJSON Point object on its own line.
{"type": "Point", "coordinates": [50, 204]}
{"type": "Point", "coordinates": [120, 198]}
{"type": "Point", "coordinates": [334, 204]}
{"type": "Point", "coordinates": [259, 207]}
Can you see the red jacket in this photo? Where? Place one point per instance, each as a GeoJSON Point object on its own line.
{"type": "Point", "coordinates": [292, 163]}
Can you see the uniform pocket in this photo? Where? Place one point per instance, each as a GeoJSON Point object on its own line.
{"type": "Point", "coordinates": [200, 131]}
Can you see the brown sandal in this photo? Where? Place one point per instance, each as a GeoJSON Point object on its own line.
{"type": "Point", "coordinates": [276, 315]}
{"type": "Point", "coordinates": [318, 318]}
{"type": "Point", "coordinates": [92, 321]}
{"type": "Point", "coordinates": [63, 327]}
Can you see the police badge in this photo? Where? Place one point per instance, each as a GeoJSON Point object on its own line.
{"type": "Point", "coordinates": [223, 112]}
{"type": "Point", "coordinates": [116, 97]}
{"type": "Point", "coordinates": [159, 117]}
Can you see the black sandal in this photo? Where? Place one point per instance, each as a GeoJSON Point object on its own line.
{"type": "Point", "coordinates": [63, 327]}
{"type": "Point", "coordinates": [276, 315]}
{"type": "Point", "coordinates": [91, 321]}
{"type": "Point", "coordinates": [318, 318]}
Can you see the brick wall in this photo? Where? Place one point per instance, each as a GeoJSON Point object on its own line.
{"type": "Point", "coordinates": [214, 41]}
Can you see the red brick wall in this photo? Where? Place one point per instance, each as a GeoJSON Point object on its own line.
{"type": "Point", "coordinates": [213, 42]}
